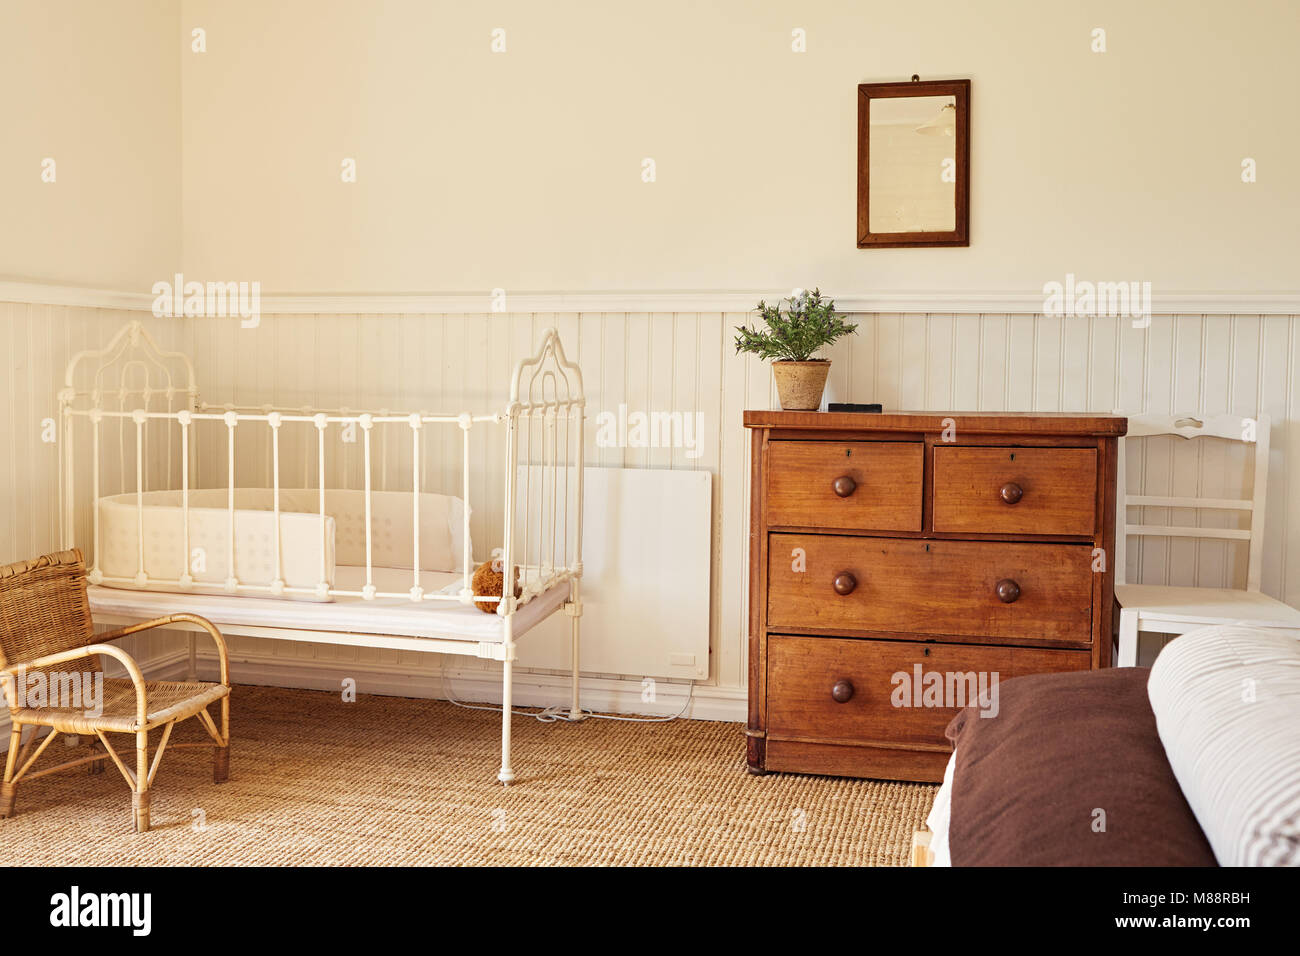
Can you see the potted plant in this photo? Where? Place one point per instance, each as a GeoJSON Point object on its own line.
{"type": "Point", "coordinates": [791, 341]}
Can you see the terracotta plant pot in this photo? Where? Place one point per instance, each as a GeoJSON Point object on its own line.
{"type": "Point", "coordinates": [800, 384]}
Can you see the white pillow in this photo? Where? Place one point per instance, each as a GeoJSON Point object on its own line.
{"type": "Point", "coordinates": [1227, 707]}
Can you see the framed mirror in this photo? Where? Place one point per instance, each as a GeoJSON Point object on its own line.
{"type": "Point", "coordinates": [914, 164]}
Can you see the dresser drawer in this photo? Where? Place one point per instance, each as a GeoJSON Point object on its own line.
{"type": "Point", "coordinates": [853, 486]}
{"type": "Point", "coordinates": [866, 692]}
{"type": "Point", "coordinates": [980, 589]}
{"type": "Point", "coordinates": [1015, 490]}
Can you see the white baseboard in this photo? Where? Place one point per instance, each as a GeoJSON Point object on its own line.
{"type": "Point", "coordinates": [608, 695]}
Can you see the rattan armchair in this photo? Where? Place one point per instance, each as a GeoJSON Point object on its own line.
{"type": "Point", "coordinates": [45, 624]}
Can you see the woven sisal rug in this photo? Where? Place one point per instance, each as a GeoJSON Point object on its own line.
{"type": "Point", "coordinates": [391, 780]}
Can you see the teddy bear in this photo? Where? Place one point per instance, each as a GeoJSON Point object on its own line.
{"type": "Point", "coordinates": [487, 582]}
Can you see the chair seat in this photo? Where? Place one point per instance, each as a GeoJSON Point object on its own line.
{"type": "Point", "coordinates": [167, 700]}
{"type": "Point", "coordinates": [1205, 606]}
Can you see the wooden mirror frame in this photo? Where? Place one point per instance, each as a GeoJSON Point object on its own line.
{"type": "Point", "coordinates": [960, 236]}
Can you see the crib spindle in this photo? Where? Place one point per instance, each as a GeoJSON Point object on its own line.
{"type": "Point", "coordinates": [171, 399]}
{"type": "Point", "coordinates": [96, 418]}
{"type": "Point", "coordinates": [507, 603]}
{"type": "Point", "coordinates": [568, 451]}
{"type": "Point", "coordinates": [322, 589]}
{"type": "Point", "coordinates": [306, 459]}
{"type": "Point", "coordinates": [552, 455]}
{"type": "Point", "coordinates": [121, 441]}
{"type": "Point", "coordinates": [466, 590]}
{"type": "Point", "coordinates": [231, 419]}
{"type": "Point", "coordinates": [186, 578]}
{"type": "Point", "coordinates": [416, 591]}
{"type": "Point", "coordinates": [383, 455]}
{"type": "Point", "coordinates": [138, 416]}
{"type": "Point", "coordinates": [142, 432]}
{"type": "Point", "coordinates": [67, 495]}
{"type": "Point", "coordinates": [368, 592]}
{"type": "Point", "coordinates": [274, 420]}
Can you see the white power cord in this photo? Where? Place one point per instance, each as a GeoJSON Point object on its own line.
{"type": "Point", "coordinates": [558, 712]}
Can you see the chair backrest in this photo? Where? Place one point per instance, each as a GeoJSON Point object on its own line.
{"type": "Point", "coordinates": [43, 607]}
{"type": "Point", "coordinates": [1235, 428]}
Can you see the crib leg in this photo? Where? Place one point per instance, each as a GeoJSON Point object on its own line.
{"type": "Point", "coordinates": [507, 775]}
{"type": "Point", "coordinates": [575, 708]}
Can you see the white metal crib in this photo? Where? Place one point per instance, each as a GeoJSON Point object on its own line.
{"type": "Point", "coordinates": [138, 400]}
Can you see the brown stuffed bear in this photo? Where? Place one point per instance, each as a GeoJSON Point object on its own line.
{"type": "Point", "coordinates": [487, 583]}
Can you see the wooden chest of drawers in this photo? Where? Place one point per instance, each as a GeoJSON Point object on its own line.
{"type": "Point", "coordinates": [888, 549]}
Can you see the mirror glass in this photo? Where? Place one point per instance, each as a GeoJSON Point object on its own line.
{"type": "Point", "coordinates": [912, 168]}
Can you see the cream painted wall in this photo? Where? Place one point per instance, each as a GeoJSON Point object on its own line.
{"type": "Point", "coordinates": [96, 87]}
{"type": "Point", "coordinates": [522, 170]}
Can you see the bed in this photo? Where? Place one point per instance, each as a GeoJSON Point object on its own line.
{"type": "Point", "coordinates": [1195, 762]}
{"type": "Point", "coordinates": [361, 564]}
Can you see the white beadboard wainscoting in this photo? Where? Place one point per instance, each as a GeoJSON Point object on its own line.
{"type": "Point", "coordinates": [662, 362]}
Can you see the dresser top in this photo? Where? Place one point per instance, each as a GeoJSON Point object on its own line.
{"type": "Point", "coordinates": [993, 423]}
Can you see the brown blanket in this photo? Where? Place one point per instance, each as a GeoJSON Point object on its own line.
{"type": "Point", "coordinates": [1069, 773]}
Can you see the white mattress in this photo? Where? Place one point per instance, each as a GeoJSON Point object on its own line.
{"type": "Point", "coordinates": [941, 816]}
{"type": "Point", "coordinates": [400, 616]}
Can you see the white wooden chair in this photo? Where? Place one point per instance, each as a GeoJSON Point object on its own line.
{"type": "Point", "coordinates": [1168, 609]}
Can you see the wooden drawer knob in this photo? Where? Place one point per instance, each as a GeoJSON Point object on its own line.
{"type": "Point", "coordinates": [844, 486]}
{"type": "Point", "coordinates": [1008, 591]}
{"type": "Point", "coordinates": [1011, 492]}
{"type": "Point", "coordinates": [844, 583]}
{"type": "Point", "coordinates": [842, 692]}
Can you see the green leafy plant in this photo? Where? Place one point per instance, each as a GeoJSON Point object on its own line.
{"type": "Point", "coordinates": [807, 324]}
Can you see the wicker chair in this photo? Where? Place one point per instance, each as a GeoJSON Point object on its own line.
{"type": "Point", "coordinates": [45, 623]}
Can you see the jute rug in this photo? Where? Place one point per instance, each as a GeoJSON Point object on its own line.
{"type": "Point", "coordinates": [390, 780]}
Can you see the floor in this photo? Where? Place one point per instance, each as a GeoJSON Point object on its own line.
{"type": "Point", "coordinates": [390, 780]}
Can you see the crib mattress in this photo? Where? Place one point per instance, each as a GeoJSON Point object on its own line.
{"type": "Point", "coordinates": [151, 527]}
{"type": "Point", "coordinates": [398, 616]}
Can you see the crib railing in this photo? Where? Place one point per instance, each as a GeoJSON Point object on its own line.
{"type": "Point", "coordinates": [542, 426]}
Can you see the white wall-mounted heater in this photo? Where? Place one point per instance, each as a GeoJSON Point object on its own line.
{"type": "Point", "coordinates": [647, 536]}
